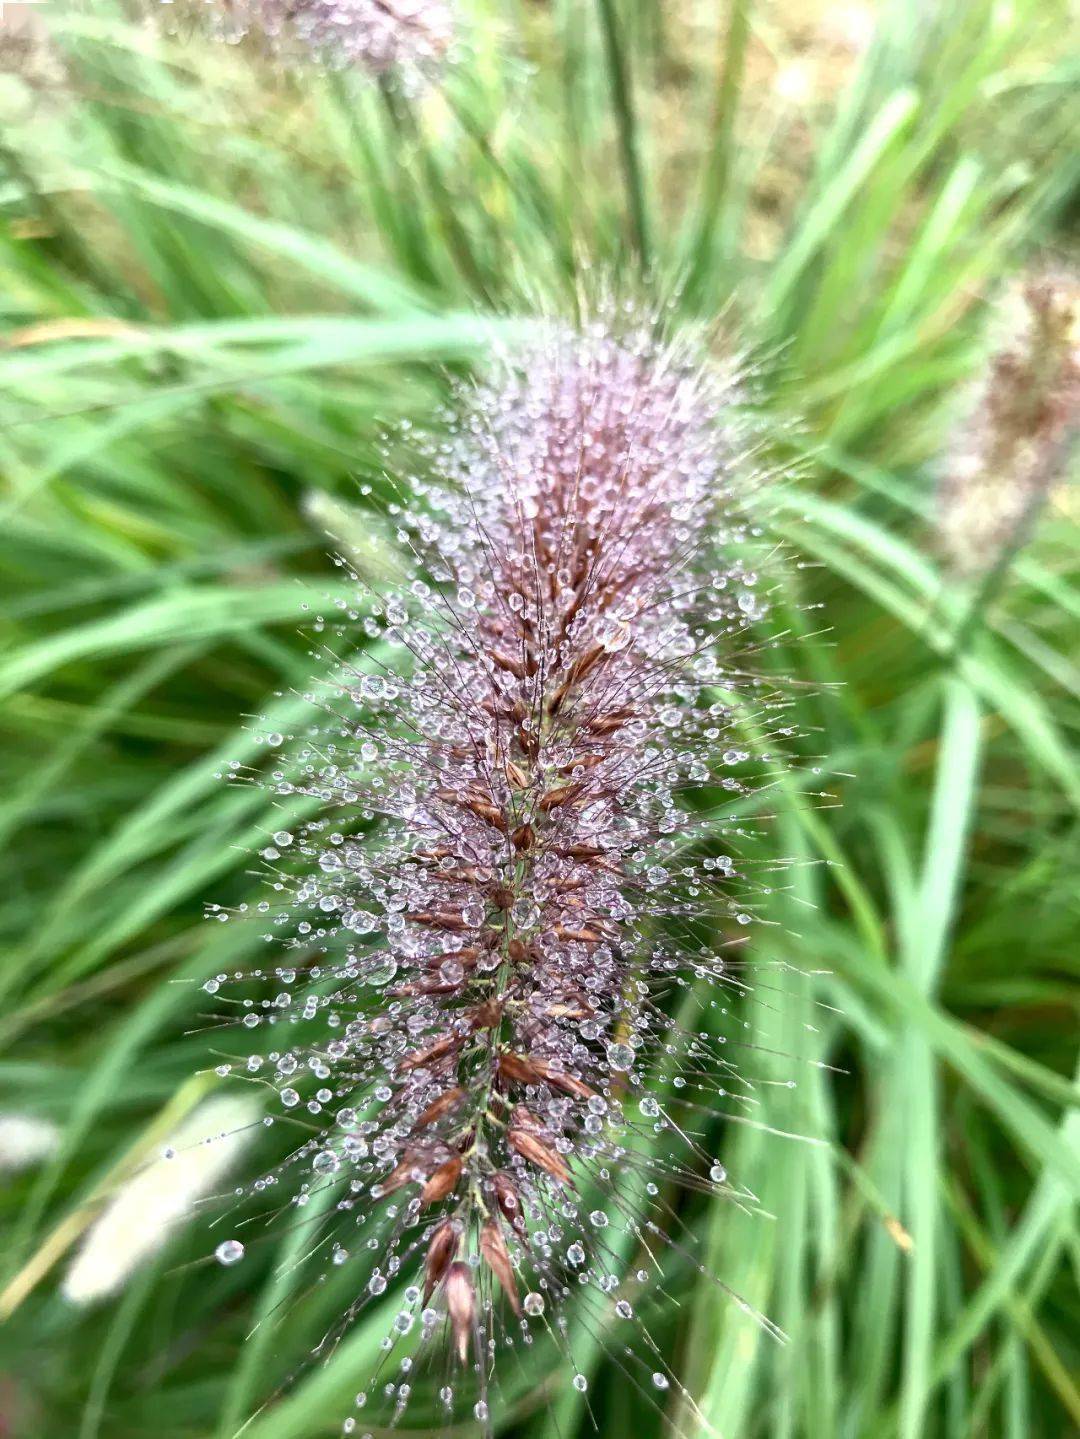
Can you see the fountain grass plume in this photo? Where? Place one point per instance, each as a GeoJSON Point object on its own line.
{"type": "Point", "coordinates": [1022, 424]}
{"type": "Point", "coordinates": [530, 849]}
{"type": "Point", "coordinates": [407, 38]}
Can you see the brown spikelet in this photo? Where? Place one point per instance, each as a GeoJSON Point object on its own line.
{"type": "Point", "coordinates": [585, 935]}
{"type": "Point", "coordinates": [442, 1182]}
{"type": "Point", "coordinates": [523, 1118]}
{"type": "Point", "coordinates": [476, 803]}
{"type": "Point", "coordinates": [466, 957]}
{"type": "Point", "coordinates": [516, 776]}
{"type": "Point", "coordinates": [466, 874]}
{"type": "Point", "coordinates": [537, 1152]}
{"type": "Point", "coordinates": [609, 723]}
{"type": "Point", "coordinates": [578, 851]}
{"type": "Point", "coordinates": [556, 797]}
{"type": "Point", "coordinates": [487, 1015]}
{"type": "Point", "coordinates": [446, 1103]}
{"type": "Point", "coordinates": [518, 1067]}
{"type": "Point", "coordinates": [529, 742]}
{"type": "Point", "coordinates": [497, 1257]}
{"type": "Point", "coordinates": [438, 1050]}
{"type": "Point", "coordinates": [508, 662]}
{"type": "Point", "coordinates": [432, 856]}
{"type": "Point", "coordinates": [461, 1306]}
{"type": "Point", "coordinates": [438, 919]}
{"type": "Point", "coordinates": [569, 1011]}
{"type": "Point", "coordinates": [585, 761]}
{"type": "Point", "coordinates": [442, 1246]}
{"type": "Point", "coordinates": [407, 1172]}
{"type": "Point", "coordinates": [490, 813]}
{"type": "Point", "coordinates": [424, 986]}
{"type": "Point", "coordinates": [555, 1077]}
{"type": "Point", "coordinates": [585, 663]}
{"type": "Point", "coordinates": [508, 1200]}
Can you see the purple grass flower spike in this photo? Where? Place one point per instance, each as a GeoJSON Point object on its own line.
{"type": "Point", "coordinates": [1022, 426]}
{"type": "Point", "coordinates": [528, 867]}
{"type": "Point", "coordinates": [409, 37]}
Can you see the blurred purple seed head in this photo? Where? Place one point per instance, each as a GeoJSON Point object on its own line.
{"type": "Point", "coordinates": [1022, 425]}
{"type": "Point", "coordinates": [409, 38]}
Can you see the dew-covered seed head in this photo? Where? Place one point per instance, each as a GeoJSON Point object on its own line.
{"type": "Point", "coordinates": [530, 776]}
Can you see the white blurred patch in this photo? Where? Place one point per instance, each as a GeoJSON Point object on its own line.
{"type": "Point", "coordinates": [25, 1140]}
{"type": "Point", "coordinates": [155, 1202]}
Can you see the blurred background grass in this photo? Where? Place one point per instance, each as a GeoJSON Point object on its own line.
{"type": "Point", "coordinates": [218, 282]}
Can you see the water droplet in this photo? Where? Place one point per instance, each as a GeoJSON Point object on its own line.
{"type": "Point", "coordinates": [620, 1056]}
{"type": "Point", "coordinates": [382, 970]}
{"type": "Point", "coordinates": [229, 1251]}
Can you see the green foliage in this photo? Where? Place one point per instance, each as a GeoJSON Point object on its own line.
{"type": "Point", "coordinates": [219, 282]}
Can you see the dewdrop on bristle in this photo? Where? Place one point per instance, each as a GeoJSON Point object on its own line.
{"type": "Point", "coordinates": [535, 767]}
